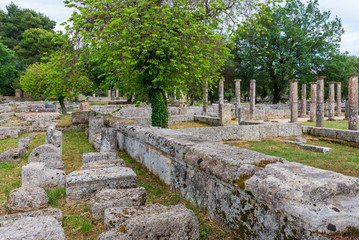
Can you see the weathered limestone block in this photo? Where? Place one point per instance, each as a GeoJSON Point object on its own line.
{"type": "Point", "coordinates": [24, 142]}
{"type": "Point", "coordinates": [95, 125]}
{"type": "Point", "coordinates": [36, 174]}
{"type": "Point", "coordinates": [42, 123]}
{"type": "Point", "coordinates": [9, 132]}
{"type": "Point", "coordinates": [54, 137]}
{"type": "Point", "coordinates": [85, 106]}
{"type": "Point", "coordinates": [98, 156]}
{"type": "Point", "coordinates": [25, 199]}
{"type": "Point", "coordinates": [82, 117]}
{"type": "Point", "coordinates": [108, 198]}
{"type": "Point", "coordinates": [225, 114]}
{"type": "Point", "coordinates": [312, 148]}
{"type": "Point", "coordinates": [39, 228]}
{"type": "Point", "coordinates": [12, 155]}
{"type": "Point", "coordinates": [108, 140]}
{"type": "Point", "coordinates": [45, 148]}
{"type": "Point", "coordinates": [153, 222]}
{"type": "Point", "coordinates": [52, 160]}
{"type": "Point", "coordinates": [10, 219]}
{"type": "Point", "coordinates": [317, 200]}
{"type": "Point", "coordinates": [83, 184]}
{"type": "Point", "coordinates": [32, 136]}
{"type": "Point", "coordinates": [104, 164]}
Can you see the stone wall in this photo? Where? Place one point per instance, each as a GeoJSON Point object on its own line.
{"type": "Point", "coordinates": [347, 135]}
{"type": "Point", "coordinates": [254, 195]}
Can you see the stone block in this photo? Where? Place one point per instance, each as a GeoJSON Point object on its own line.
{"type": "Point", "coordinates": [85, 106]}
{"type": "Point", "coordinates": [24, 142]}
{"type": "Point", "coordinates": [52, 160]}
{"type": "Point", "coordinates": [104, 164]}
{"type": "Point", "coordinates": [26, 199]}
{"type": "Point", "coordinates": [289, 129]}
{"type": "Point", "coordinates": [82, 117]}
{"type": "Point", "coordinates": [95, 125]}
{"type": "Point", "coordinates": [108, 140]}
{"type": "Point", "coordinates": [108, 198]}
{"type": "Point", "coordinates": [37, 175]}
{"type": "Point", "coordinates": [83, 184]}
{"type": "Point", "coordinates": [98, 156]}
{"type": "Point", "coordinates": [45, 148]}
{"type": "Point", "coordinates": [268, 131]}
{"type": "Point", "coordinates": [314, 148]}
{"type": "Point", "coordinates": [12, 155]}
{"type": "Point", "coordinates": [54, 137]}
{"type": "Point", "coordinates": [30, 228]}
{"type": "Point", "coordinates": [9, 132]}
{"type": "Point", "coordinates": [152, 222]}
{"type": "Point", "coordinates": [43, 122]}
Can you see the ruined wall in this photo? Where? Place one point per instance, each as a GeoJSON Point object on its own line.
{"type": "Point", "coordinates": [254, 195]}
{"type": "Point", "coordinates": [347, 135]}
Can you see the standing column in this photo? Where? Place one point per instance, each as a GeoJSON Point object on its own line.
{"type": "Point", "coordinates": [320, 102]}
{"type": "Point", "coordinates": [205, 98]}
{"type": "Point", "coordinates": [117, 93]}
{"type": "Point", "coordinates": [353, 101]}
{"type": "Point", "coordinates": [109, 94]}
{"type": "Point", "coordinates": [331, 107]}
{"type": "Point", "coordinates": [221, 91]}
{"type": "Point", "coordinates": [94, 95]}
{"type": "Point", "coordinates": [339, 98]}
{"type": "Point", "coordinates": [252, 99]}
{"type": "Point", "coordinates": [303, 112]}
{"type": "Point", "coordinates": [294, 100]}
{"type": "Point", "coordinates": [238, 96]}
{"type": "Point", "coordinates": [313, 99]}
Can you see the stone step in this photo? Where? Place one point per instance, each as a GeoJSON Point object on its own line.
{"type": "Point", "coordinates": [84, 183]}
{"type": "Point", "coordinates": [98, 156]}
{"type": "Point", "coordinates": [36, 174]}
{"type": "Point", "coordinates": [150, 222]}
{"type": "Point", "coordinates": [25, 199]}
{"type": "Point", "coordinates": [108, 198]}
{"type": "Point", "coordinates": [33, 228]}
{"type": "Point", "coordinates": [104, 164]}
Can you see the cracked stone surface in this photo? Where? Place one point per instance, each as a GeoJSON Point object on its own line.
{"type": "Point", "coordinates": [25, 199]}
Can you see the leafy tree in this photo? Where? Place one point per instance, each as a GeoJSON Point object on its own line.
{"type": "Point", "coordinates": [35, 43]}
{"type": "Point", "coordinates": [34, 80]}
{"type": "Point", "coordinates": [7, 69]}
{"type": "Point", "coordinates": [297, 42]}
{"type": "Point", "coordinates": [17, 20]}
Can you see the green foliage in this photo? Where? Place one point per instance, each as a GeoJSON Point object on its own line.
{"type": "Point", "coordinates": [34, 80]}
{"type": "Point", "coordinates": [294, 43]}
{"type": "Point", "coordinates": [55, 194]}
{"type": "Point", "coordinates": [86, 225]}
{"type": "Point", "coordinates": [159, 109]}
{"type": "Point", "coordinates": [7, 69]}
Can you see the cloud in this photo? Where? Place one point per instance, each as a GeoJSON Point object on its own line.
{"type": "Point", "coordinates": [350, 40]}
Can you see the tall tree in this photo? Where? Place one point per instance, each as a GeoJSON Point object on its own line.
{"type": "Point", "coordinates": [7, 69]}
{"type": "Point", "coordinates": [297, 40]}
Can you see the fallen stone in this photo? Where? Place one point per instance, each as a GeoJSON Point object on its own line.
{"type": "Point", "coordinates": [12, 155]}
{"type": "Point", "coordinates": [32, 135]}
{"type": "Point", "coordinates": [312, 148]}
{"type": "Point", "coordinates": [82, 117]}
{"type": "Point", "coordinates": [24, 142]}
{"type": "Point", "coordinates": [54, 137]}
{"type": "Point", "coordinates": [104, 164]}
{"type": "Point", "coordinates": [8, 220]}
{"type": "Point", "coordinates": [152, 222]}
{"type": "Point", "coordinates": [98, 156]}
{"type": "Point", "coordinates": [45, 148]}
{"type": "Point", "coordinates": [108, 140]}
{"type": "Point", "coordinates": [42, 122]}
{"type": "Point", "coordinates": [300, 139]}
{"type": "Point", "coordinates": [26, 199]}
{"type": "Point", "coordinates": [36, 174]}
{"type": "Point", "coordinates": [108, 198]}
{"type": "Point", "coordinates": [95, 126]}
{"type": "Point", "coordinates": [83, 184]}
{"type": "Point", "coordinates": [9, 132]}
{"type": "Point", "coordinates": [30, 228]}
{"type": "Point", "coordinates": [85, 106]}
{"type": "Point", "coordinates": [52, 160]}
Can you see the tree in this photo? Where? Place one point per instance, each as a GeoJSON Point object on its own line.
{"type": "Point", "coordinates": [297, 41]}
{"type": "Point", "coordinates": [34, 80]}
{"type": "Point", "coordinates": [7, 69]}
{"type": "Point", "coordinates": [35, 44]}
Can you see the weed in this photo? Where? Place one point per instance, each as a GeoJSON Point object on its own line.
{"type": "Point", "coordinates": [86, 225]}
{"type": "Point", "coordinates": [56, 194]}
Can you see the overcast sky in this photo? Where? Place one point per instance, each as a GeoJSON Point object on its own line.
{"type": "Point", "coordinates": [346, 10]}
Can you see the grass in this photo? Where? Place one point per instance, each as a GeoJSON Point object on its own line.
{"type": "Point", "coordinates": [181, 125]}
{"type": "Point", "coordinates": [343, 124]}
{"type": "Point", "coordinates": [98, 103]}
{"type": "Point", "coordinates": [64, 120]}
{"type": "Point", "coordinates": [344, 158]}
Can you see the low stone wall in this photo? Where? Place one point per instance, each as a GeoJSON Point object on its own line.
{"type": "Point", "coordinates": [347, 135]}
{"type": "Point", "coordinates": [246, 132]}
{"type": "Point", "coordinates": [213, 121]}
{"type": "Point", "coordinates": [254, 195]}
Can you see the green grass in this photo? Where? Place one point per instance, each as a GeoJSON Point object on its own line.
{"type": "Point", "coordinates": [98, 103]}
{"type": "Point", "coordinates": [344, 158]}
{"type": "Point", "coordinates": [181, 125]}
{"type": "Point", "coordinates": [343, 124]}
{"type": "Point", "coordinates": [55, 195]}
{"type": "Point", "coordinates": [64, 120]}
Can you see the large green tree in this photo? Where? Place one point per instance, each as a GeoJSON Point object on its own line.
{"type": "Point", "coordinates": [297, 41]}
{"type": "Point", "coordinates": [7, 69]}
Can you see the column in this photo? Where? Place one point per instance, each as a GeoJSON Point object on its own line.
{"type": "Point", "coordinates": [252, 103]}
{"type": "Point", "coordinates": [238, 96]}
{"type": "Point", "coordinates": [353, 101]}
{"type": "Point", "coordinates": [109, 94]}
{"type": "Point", "coordinates": [331, 104]}
{"type": "Point", "coordinates": [313, 99]}
{"type": "Point", "coordinates": [205, 98]}
{"type": "Point", "coordinates": [293, 100]}
{"type": "Point", "coordinates": [320, 102]}
{"type": "Point", "coordinates": [339, 98]}
{"type": "Point", "coordinates": [94, 95]}
{"type": "Point", "coordinates": [116, 93]}
{"type": "Point", "coordinates": [303, 112]}
{"type": "Point", "coordinates": [221, 91]}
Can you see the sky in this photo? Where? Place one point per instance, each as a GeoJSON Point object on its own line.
{"type": "Point", "coordinates": [346, 10]}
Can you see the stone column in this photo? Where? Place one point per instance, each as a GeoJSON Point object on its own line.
{"type": "Point", "coordinates": [252, 93]}
{"type": "Point", "coordinates": [109, 94]}
{"type": "Point", "coordinates": [293, 100]}
{"type": "Point", "coordinates": [116, 93]}
{"type": "Point", "coordinates": [331, 104]}
{"type": "Point", "coordinates": [320, 102]}
{"type": "Point", "coordinates": [221, 91]}
{"type": "Point", "coordinates": [94, 95]}
{"type": "Point", "coordinates": [303, 112]}
{"type": "Point", "coordinates": [313, 99]}
{"type": "Point", "coordinates": [238, 96]}
{"type": "Point", "coordinates": [225, 114]}
{"type": "Point", "coordinates": [353, 101]}
{"type": "Point", "coordinates": [339, 98]}
{"type": "Point", "coordinates": [205, 98]}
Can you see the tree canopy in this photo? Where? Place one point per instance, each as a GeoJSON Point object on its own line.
{"type": "Point", "coordinates": [7, 69]}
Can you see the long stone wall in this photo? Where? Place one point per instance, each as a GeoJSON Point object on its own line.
{"type": "Point", "coordinates": [347, 135]}
{"type": "Point", "coordinates": [254, 195]}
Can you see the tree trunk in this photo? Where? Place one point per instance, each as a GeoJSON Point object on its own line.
{"type": "Point", "coordinates": [276, 95]}
{"type": "Point", "coordinates": [62, 104]}
{"type": "Point", "coordinates": [159, 115]}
